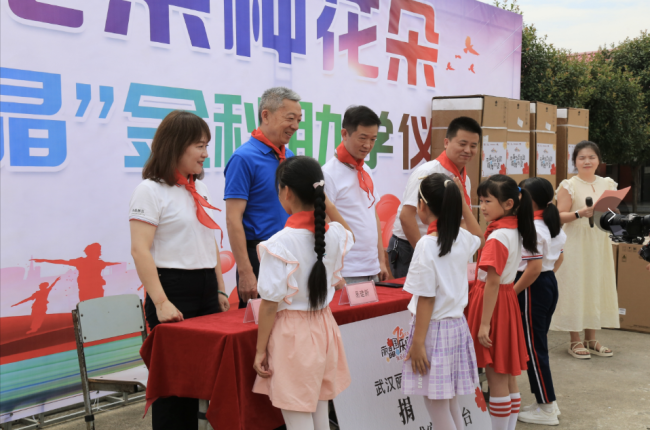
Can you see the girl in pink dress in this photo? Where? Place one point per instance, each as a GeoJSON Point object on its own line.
{"type": "Point", "coordinates": [300, 361]}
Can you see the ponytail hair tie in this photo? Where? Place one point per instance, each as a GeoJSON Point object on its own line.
{"type": "Point", "coordinates": [319, 184]}
{"type": "Point", "coordinates": [519, 189]}
{"type": "Point", "coordinates": [447, 182]}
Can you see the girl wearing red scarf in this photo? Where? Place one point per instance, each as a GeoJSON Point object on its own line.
{"type": "Point", "coordinates": [173, 242]}
{"type": "Point", "coordinates": [300, 360]}
{"type": "Point", "coordinates": [537, 291]}
{"type": "Point", "coordinates": [441, 364]}
{"type": "Point", "coordinates": [493, 311]}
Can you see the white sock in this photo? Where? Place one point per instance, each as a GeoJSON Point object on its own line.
{"type": "Point", "coordinates": [456, 413]}
{"type": "Point", "coordinates": [547, 407]}
{"type": "Point", "coordinates": [500, 412]}
{"type": "Point", "coordinates": [440, 414]}
{"type": "Point", "coordinates": [515, 399]}
{"type": "Point", "coordinates": [322, 416]}
{"type": "Point", "coordinates": [298, 420]}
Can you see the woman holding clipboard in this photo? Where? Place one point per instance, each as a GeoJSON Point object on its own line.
{"type": "Point", "coordinates": [586, 280]}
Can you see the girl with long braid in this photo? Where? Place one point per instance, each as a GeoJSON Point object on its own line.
{"type": "Point", "coordinates": [300, 361]}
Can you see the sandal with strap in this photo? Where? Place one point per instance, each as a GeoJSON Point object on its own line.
{"type": "Point", "coordinates": [600, 351]}
{"type": "Point", "coordinates": [573, 351]}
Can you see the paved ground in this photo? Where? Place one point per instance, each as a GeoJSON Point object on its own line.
{"type": "Point", "coordinates": [596, 394]}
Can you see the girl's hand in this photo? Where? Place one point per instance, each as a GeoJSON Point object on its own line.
{"type": "Point", "coordinates": [223, 302]}
{"type": "Point", "coordinates": [167, 312]}
{"type": "Point", "coordinates": [261, 365]}
{"type": "Point", "coordinates": [418, 356]}
{"type": "Point", "coordinates": [459, 184]}
{"type": "Point", "coordinates": [484, 336]}
{"type": "Point", "coordinates": [586, 212]}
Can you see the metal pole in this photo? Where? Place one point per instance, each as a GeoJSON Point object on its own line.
{"type": "Point", "coordinates": [90, 418]}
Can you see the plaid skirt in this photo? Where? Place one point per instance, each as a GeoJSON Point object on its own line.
{"type": "Point", "coordinates": [451, 355]}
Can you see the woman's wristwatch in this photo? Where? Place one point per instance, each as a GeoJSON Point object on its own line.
{"type": "Point", "coordinates": [577, 215]}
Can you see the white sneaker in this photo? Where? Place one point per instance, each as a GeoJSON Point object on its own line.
{"type": "Point", "coordinates": [538, 416]}
{"type": "Point", "coordinates": [535, 405]}
{"type": "Point", "coordinates": [530, 407]}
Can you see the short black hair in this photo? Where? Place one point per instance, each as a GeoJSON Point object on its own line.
{"type": "Point", "coordinates": [586, 144]}
{"type": "Point", "coordinates": [464, 123]}
{"type": "Point", "coordinates": [359, 115]}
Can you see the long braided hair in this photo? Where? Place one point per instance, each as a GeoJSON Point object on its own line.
{"type": "Point", "coordinates": [304, 176]}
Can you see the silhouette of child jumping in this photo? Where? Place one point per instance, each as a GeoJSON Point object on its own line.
{"type": "Point", "coordinates": [39, 307]}
{"type": "Point", "coordinates": [89, 281]}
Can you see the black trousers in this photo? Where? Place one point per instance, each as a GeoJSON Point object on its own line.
{"type": "Point", "coordinates": [194, 293]}
{"type": "Point", "coordinates": [400, 253]}
{"type": "Point", "coordinates": [537, 304]}
{"type": "Point", "coordinates": [251, 247]}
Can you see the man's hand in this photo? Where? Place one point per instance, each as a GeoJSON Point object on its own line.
{"type": "Point", "coordinates": [247, 285]}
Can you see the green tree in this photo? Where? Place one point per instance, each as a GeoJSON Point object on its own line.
{"type": "Point", "coordinates": [632, 57]}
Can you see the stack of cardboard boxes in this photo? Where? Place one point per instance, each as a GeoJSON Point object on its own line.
{"type": "Point", "coordinates": [491, 113]}
{"type": "Point", "coordinates": [572, 128]}
{"type": "Point", "coordinates": [543, 144]}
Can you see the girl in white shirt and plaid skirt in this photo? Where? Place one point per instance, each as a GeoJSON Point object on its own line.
{"type": "Point", "coordinates": [441, 363]}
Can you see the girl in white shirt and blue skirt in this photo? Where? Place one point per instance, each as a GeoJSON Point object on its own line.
{"type": "Point", "coordinates": [441, 363]}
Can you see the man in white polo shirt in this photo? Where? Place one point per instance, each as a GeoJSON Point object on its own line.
{"type": "Point", "coordinates": [349, 186]}
{"type": "Point", "coordinates": [461, 144]}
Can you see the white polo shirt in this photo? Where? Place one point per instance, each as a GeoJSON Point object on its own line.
{"type": "Point", "coordinates": [549, 248]}
{"type": "Point", "coordinates": [410, 197]}
{"type": "Point", "coordinates": [181, 241]}
{"type": "Point", "coordinates": [342, 188]}
{"type": "Point", "coordinates": [444, 278]}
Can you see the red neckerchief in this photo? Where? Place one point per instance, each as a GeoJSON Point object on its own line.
{"type": "Point", "coordinates": [433, 227]}
{"type": "Point", "coordinates": [539, 214]}
{"type": "Point", "coordinates": [200, 202]}
{"type": "Point", "coordinates": [365, 181]}
{"type": "Point", "coordinates": [257, 134]}
{"type": "Point", "coordinates": [449, 165]}
{"type": "Point", "coordinates": [304, 220]}
{"type": "Point", "coordinates": [505, 222]}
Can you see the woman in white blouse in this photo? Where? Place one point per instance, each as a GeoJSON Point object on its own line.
{"type": "Point", "coordinates": [173, 243]}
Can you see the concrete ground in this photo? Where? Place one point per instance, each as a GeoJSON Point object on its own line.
{"type": "Point", "coordinates": [595, 394]}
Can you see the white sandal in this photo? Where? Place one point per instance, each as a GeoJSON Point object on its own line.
{"type": "Point", "coordinates": [573, 351]}
{"type": "Point", "coordinates": [601, 351]}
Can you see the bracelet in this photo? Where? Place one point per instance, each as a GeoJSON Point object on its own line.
{"type": "Point", "coordinates": [223, 292]}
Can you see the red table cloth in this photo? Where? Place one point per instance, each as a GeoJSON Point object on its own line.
{"type": "Point", "coordinates": [211, 357]}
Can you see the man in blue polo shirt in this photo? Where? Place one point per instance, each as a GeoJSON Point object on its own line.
{"type": "Point", "coordinates": [253, 210]}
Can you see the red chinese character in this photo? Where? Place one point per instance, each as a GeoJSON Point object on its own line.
{"type": "Point", "coordinates": [413, 52]}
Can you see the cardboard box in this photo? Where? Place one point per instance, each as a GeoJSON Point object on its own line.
{"type": "Point", "coordinates": [633, 289]}
{"type": "Point", "coordinates": [572, 128]}
{"type": "Point", "coordinates": [490, 112]}
{"type": "Point", "coordinates": [518, 140]}
{"type": "Point", "coordinates": [543, 144]}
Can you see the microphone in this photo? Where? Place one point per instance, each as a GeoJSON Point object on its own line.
{"type": "Point", "coordinates": [589, 201]}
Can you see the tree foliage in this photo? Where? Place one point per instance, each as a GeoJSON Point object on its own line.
{"type": "Point", "coordinates": [618, 119]}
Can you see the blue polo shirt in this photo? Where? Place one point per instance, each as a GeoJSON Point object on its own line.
{"type": "Point", "coordinates": [250, 175]}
